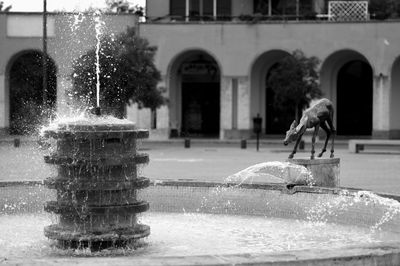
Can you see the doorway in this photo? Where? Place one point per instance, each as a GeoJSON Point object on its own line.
{"type": "Point", "coordinates": [200, 109]}
{"type": "Point", "coordinates": [27, 109]}
{"type": "Point", "coordinates": [354, 99]}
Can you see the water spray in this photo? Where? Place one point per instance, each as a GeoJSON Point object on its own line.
{"type": "Point", "coordinates": [98, 25]}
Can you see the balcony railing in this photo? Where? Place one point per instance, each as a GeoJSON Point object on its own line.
{"type": "Point", "coordinates": [349, 11]}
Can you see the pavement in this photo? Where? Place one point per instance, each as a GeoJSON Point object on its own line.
{"type": "Point", "coordinates": [213, 160]}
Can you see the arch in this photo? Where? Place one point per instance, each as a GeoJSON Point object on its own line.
{"type": "Point", "coordinates": [394, 100]}
{"type": "Point", "coordinates": [24, 95]}
{"type": "Point", "coordinates": [260, 102]}
{"type": "Point", "coordinates": [185, 52]}
{"type": "Point", "coordinates": [347, 76]}
{"type": "Point", "coordinates": [194, 82]}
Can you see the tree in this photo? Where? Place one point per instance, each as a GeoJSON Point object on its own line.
{"type": "Point", "coordinates": [127, 74]}
{"type": "Point", "coordinates": [123, 6]}
{"type": "Point", "coordinates": [6, 9]}
{"type": "Point", "coordinates": [295, 82]}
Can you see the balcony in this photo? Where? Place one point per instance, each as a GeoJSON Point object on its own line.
{"type": "Point", "coordinates": [335, 11]}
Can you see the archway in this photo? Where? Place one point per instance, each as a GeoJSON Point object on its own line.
{"type": "Point", "coordinates": [26, 93]}
{"type": "Point", "coordinates": [274, 121]}
{"type": "Point", "coordinates": [346, 77]}
{"type": "Point", "coordinates": [278, 118]}
{"type": "Point", "coordinates": [395, 100]}
{"type": "Point", "coordinates": [195, 90]}
{"type": "Point", "coordinates": [354, 99]}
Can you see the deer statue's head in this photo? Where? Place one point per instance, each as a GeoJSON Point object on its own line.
{"type": "Point", "coordinates": [292, 134]}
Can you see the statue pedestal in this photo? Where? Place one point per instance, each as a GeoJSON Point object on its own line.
{"type": "Point", "coordinates": [325, 171]}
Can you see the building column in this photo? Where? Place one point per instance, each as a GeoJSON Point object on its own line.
{"type": "Point", "coordinates": [226, 106]}
{"type": "Point", "coordinates": [381, 107]}
{"type": "Point", "coordinates": [244, 117]}
{"type": "Point", "coordinates": [235, 108]}
{"type": "Point", "coordinates": [4, 105]}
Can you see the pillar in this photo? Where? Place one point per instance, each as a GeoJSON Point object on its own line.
{"type": "Point", "coordinates": [225, 107]}
{"type": "Point", "coordinates": [4, 108]}
{"type": "Point", "coordinates": [235, 108]}
{"type": "Point", "coordinates": [244, 119]}
{"type": "Point", "coordinates": [381, 106]}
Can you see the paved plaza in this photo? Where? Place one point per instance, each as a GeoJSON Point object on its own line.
{"type": "Point", "coordinates": [377, 170]}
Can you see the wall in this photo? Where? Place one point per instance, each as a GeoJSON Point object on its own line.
{"type": "Point", "coordinates": [233, 43]}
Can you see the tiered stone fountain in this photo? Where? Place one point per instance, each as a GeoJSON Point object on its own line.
{"type": "Point", "coordinates": [96, 185]}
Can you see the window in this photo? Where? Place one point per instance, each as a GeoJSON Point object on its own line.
{"type": "Point", "coordinates": [224, 9]}
{"type": "Point", "coordinates": [200, 9]}
{"type": "Point", "coordinates": [178, 9]}
{"type": "Point", "coordinates": [282, 7]}
{"type": "Point", "coordinates": [208, 8]}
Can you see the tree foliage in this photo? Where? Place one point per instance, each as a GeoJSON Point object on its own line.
{"type": "Point", "coordinates": [123, 6]}
{"type": "Point", "coordinates": [4, 9]}
{"type": "Point", "coordinates": [295, 81]}
{"type": "Point", "coordinates": [127, 74]}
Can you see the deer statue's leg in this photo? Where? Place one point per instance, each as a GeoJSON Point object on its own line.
{"type": "Point", "coordinates": [333, 131]}
{"type": "Point", "coordinates": [316, 129]}
{"type": "Point", "coordinates": [328, 134]}
{"type": "Point", "coordinates": [295, 147]}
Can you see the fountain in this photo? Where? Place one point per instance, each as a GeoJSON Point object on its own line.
{"type": "Point", "coordinates": [96, 185]}
{"type": "Point", "coordinates": [97, 195]}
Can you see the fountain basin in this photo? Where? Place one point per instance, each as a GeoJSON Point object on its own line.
{"type": "Point", "coordinates": [255, 202]}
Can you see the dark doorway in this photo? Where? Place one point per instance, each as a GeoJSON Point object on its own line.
{"type": "Point", "coordinates": [278, 118]}
{"type": "Point", "coordinates": [354, 99]}
{"type": "Point", "coordinates": [26, 92]}
{"type": "Point", "coordinates": [200, 109]}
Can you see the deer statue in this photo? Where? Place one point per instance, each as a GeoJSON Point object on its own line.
{"type": "Point", "coordinates": [318, 115]}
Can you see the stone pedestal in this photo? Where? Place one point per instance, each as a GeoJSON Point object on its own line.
{"type": "Point", "coordinates": [97, 185]}
{"type": "Point", "coordinates": [325, 171]}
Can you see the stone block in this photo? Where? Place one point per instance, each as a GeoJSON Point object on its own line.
{"type": "Point", "coordinates": [325, 171]}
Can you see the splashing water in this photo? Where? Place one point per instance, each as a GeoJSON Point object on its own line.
{"type": "Point", "coordinates": [82, 117]}
{"type": "Point", "coordinates": [322, 211]}
{"type": "Point", "coordinates": [274, 172]}
{"type": "Point", "coordinates": [98, 27]}
{"type": "Point", "coordinates": [266, 172]}
{"type": "Point", "coordinates": [78, 19]}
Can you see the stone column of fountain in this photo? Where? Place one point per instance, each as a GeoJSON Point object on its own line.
{"type": "Point", "coordinates": [96, 185]}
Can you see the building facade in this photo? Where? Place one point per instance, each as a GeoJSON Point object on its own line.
{"type": "Point", "coordinates": [215, 57]}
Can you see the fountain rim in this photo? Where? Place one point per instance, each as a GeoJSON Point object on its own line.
{"type": "Point", "coordinates": [256, 185]}
{"type": "Point", "coordinates": [369, 254]}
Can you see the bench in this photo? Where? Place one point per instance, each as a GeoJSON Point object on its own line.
{"type": "Point", "coordinates": [356, 145]}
